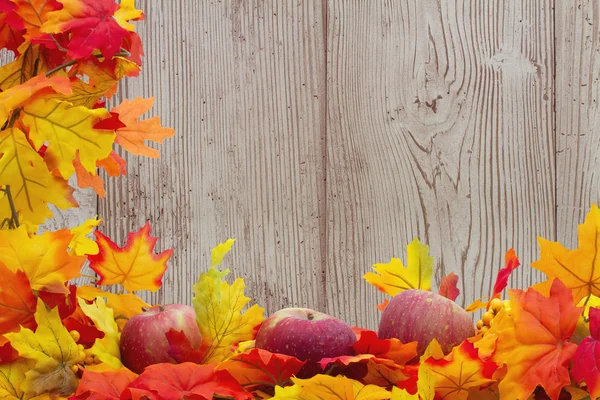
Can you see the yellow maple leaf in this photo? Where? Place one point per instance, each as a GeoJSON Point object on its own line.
{"type": "Point", "coordinates": [125, 305]}
{"type": "Point", "coordinates": [69, 130]}
{"type": "Point", "coordinates": [133, 135]}
{"type": "Point", "coordinates": [32, 186]}
{"type": "Point", "coordinates": [135, 266]}
{"type": "Point", "coordinates": [43, 258]}
{"type": "Point", "coordinates": [106, 348]}
{"type": "Point", "coordinates": [325, 387]}
{"type": "Point", "coordinates": [402, 394]}
{"type": "Point", "coordinates": [219, 314]}
{"type": "Point", "coordinates": [80, 244]}
{"type": "Point", "coordinates": [127, 12]}
{"type": "Point", "coordinates": [53, 351]}
{"type": "Point", "coordinates": [394, 277]}
{"type": "Point", "coordinates": [219, 252]}
{"type": "Point", "coordinates": [29, 63]}
{"type": "Point", "coordinates": [579, 269]}
{"type": "Point", "coordinates": [18, 95]}
{"type": "Point", "coordinates": [12, 376]}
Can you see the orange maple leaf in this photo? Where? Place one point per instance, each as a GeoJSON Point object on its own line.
{"type": "Point", "coordinates": [578, 269]}
{"type": "Point", "coordinates": [534, 342]}
{"type": "Point", "coordinates": [17, 302]}
{"type": "Point", "coordinates": [44, 258]}
{"type": "Point", "coordinates": [134, 266]}
{"type": "Point", "coordinates": [103, 385]}
{"type": "Point", "coordinates": [132, 137]}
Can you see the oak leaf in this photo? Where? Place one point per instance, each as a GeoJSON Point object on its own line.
{"type": "Point", "coordinates": [219, 313]}
{"type": "Point", "coordinates": [325, 387]}
{"type": "Point", "coordinates": [586, 365]}
{"type": "Point", "coordinates": [43, 258]}
{"type": "Point", "coordinates": [17, 302]}
{"type": "Point", "coordinates": [394, 277]}
{"type": "Point", "coordinates": [52, 349]}
{"type": "Point", "coordinates": [32, 186]}
{"type": "Point", "coordinates": [89, 22]}
{"type": "Point", "coordinates": [105, 385]}
{"type": "Point", "coordinates": [186, 380]}
{"type": "Point", "coordinates": [533, 342]}
{"type": "Point", "coordinates": [448, 286]}
{"type": "Point", "coordinates": [69, 131]}
{"type": "Point", "coordinates": [260, 368]}
{"type": "Point", "coordinates": [132, 136]}
{"type": "Point", "coordinates": [107, 348]}
{"type": "Point", "coordinates": [578, 269]}
{"type": "Point", "coordinates": [135, 266]}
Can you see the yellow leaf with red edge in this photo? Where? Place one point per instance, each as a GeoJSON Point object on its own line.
{"type": "Point", "coordinates": [454, 376]}
{"type": "Point", "coordinates": [106, 348]}
{"type": "Point", "coordinates": [12, 376]}
{"type": "Point", "coordinates": [325, 387]}
{"type": "Point", "coordinates": [133, 135]}
{"type": "Point", "coordinates": [17, 302]}
{"type": "Point", "coordinates": [80, 244]}
{"type": "Point", "coordinates": [394, 277]}
{"type": "Point", "coordinates": [578, 269]}
{"type": "Point", "coordinates": [39, 85]}
{"type": "Point", "coordinates": [534, 341]}
{"type": "Point", "coordinates": [219, 313]}
{"type": "Point", "coordinates": [69, 131]}
{"type": "Point", "coordinates": [135, 266]}
{"type": "Point", "coordinates": [128, 12]}
{"type": "Point", "coordinates": [124, 305]}
{"type": "Point", "coordinates": [32, 186]}
{"type": "Point", "coordinates": [52, 349]}
{"type": "Point", "coordinates": [44, 258]}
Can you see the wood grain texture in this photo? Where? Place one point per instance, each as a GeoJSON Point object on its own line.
{"type": "Point", "coordinates": [440, 127]}
{"type": "Point", "coordinates": [577, 114]}
{"type": "Point", "coordinates": [242, 82]}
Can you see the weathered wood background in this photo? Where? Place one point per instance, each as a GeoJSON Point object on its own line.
{"type": "Point", "coordinates": [326, 135]}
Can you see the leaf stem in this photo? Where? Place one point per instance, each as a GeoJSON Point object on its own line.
{"type": "Point", "coordinates": [122, 53]}
{"type": "Point", "coordinates": [13, 222]}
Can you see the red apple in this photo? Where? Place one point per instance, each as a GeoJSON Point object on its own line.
{"type": "Point", "coordinates": [418, 315]}
{"type": "Point", "coordinates": [143, 340]}
{"type": "Point", "coordinates": [307, 335]}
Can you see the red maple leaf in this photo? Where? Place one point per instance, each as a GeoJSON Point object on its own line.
{"type": "Point", "coordinates": [586, 364]}
{"type": "Point", "coordinates": [180, 348]}
{"type": "Point", "coordinates": [512, 262]}
{"type": "Point", "coordinates": [91, 25]}
{"type": "Point", "coordinates": [186, 380]}
{"type": "Point", "coordinates": [448, 287]}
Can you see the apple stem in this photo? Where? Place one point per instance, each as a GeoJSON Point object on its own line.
{"type": "Point", "coordinates": [161, 308]}
{"type": "Point", "coordinates": [310, 316]}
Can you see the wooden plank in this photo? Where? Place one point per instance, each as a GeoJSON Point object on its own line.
{"type": "Point", "coordinates": [577, 114]}
{"type": "Point", "coordinates": [439, 127]}
{"type": "Point", "coordinates": [87, 199]}
{"type": "Point", "coordinates": [242, 82]}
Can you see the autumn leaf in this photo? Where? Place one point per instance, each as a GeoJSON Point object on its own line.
{"type": "Point", "coordinates": [10, 37]}
{"type": "Point", "coordinates": [134, 266]}
{"type": "Point", "coordinates": [32, 186]}
{"type": "Point", "coordinates": [261, 368]}
{"type": "Point", "coordinates": [393, 349]}
{"type": "Point", "coordinates": [12, 376]}
{"type": "Point", "coordinates": [133, 135]}
{"type": "Point", "coordinates": [586, 365]}
{"type": "Point", "coordinates": [394, 277]}
{"type": "Point", "coordinates": [128, 12]}
{"type": "Point", "coordinates": [106, 348]}
{"type": "Point", "coordinates": [401, 394]}
{"type": "Point", "coordinates": [80, 244]}
{"type": "Point", "coordinates": [29, 64]}
{"type": "Point", "coordinates": [578, 269]}
{"type": "Point", "coordinates": [219, 313]}
{"type": "Point", "coordinates": [70, 131]}
{"type": "Point", "coordinates": [180, 348]}
{"type": "Point", "coordinates": [124, 305]}
{"type": "Point", "coordinates": [17, 302]}
{"type": "Point", "coordinates": [220, 251]}
{"type": "Point", "coordinates": [43, 258]}
{"type": "Point", "coordinates": [31, 14]}
{"type": "Point", "coordinates": [66, 302]}
{"type": "Point", "coordinates": [90, 22]}
{"type": "Point", "coordinates": [448, 287]}
{"type": "Point", "coordinates": [105, 385]}
{"type": "Point", "coordinates": [455, 375]}
{"type": "Point", "coordinates": [52, 349]}
{"type": "Point", "coordinates": [186, 380]}
{"type": "Point", "coordinates": [533, 343]}
{"type": "Point", "coordinates": [88, 332]}
{"type": "Point", "coordinates": [18, 95]}
{"type": "Point", "coordinates": [325, 387]}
